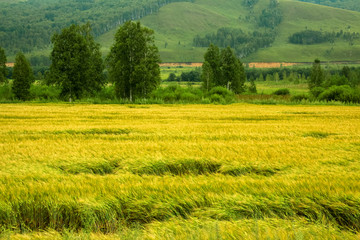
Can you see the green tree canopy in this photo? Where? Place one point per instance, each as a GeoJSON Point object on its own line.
{"type": "Point", "coordinates": [76, 65]}
{"type": "Point", "coordinates": [23, 77]}
{"type": "Point", "coordinates": [3, 70]}
{"type": "Point", "coordinates": [233, 73]}
{"type": "Point", "coordinates": [222, 69]}
{"type": "Point", "coordinates": [133, 62]}
{"type": "Point", "coordinates": [316, 75]}
{"type": "Point", "coordinates": [212, 59]}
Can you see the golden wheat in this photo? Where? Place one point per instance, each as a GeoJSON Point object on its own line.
{"type": "Point", "coordinates": [179, 171]}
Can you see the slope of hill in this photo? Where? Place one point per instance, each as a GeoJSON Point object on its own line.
{"type": "Point", "coordinates": [299, 16]}
{"type": "Point", "coordinates": [178, 23]}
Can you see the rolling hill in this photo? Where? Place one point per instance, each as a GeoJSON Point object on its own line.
{"type": "Point", "coordinates": [177, 23]}
{"type": "Point", "coordinates": [182, 21]}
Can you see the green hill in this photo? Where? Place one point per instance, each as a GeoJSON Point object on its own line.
{"type": "Point", "coordinates": [297, 17]}
{"type": "Point", "coordinates": [178, 23]}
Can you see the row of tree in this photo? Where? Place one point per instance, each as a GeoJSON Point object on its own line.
{"type": "Point", "coordinates": [308, 37]}
{"type": "Point", "coordinates": [243, 43]}
{"type": "Point", "coordinates": [77, 66]}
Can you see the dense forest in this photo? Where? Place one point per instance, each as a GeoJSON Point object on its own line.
{"type": "Point", "coordinates": [344, 4]}
{"type": "Point", "coordinates": [29, 25]}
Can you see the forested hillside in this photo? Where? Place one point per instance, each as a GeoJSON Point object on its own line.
{"type": "Point", "coordinates": [344, 4]}
{"type": "Point", "coordinates": [29, 25]}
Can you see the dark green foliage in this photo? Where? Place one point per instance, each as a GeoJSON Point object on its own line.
{"type": "Point", "coordinates": [172, 78]}
{"type": "Point", "coordinates": [174, 93]}
{"type": "Point", "coordinates": [77, 65]}
{"type": "Point", "coordinates": [316, 75]}
{"type": "Point", "coordinates": [211, 72]}
{"type": "Point", "coordinates": [133, 62]}
{"type": "Point", "coordinates": [309, 37]}
{"type": "Point", "coordinates": [250, 3]}
{"type": "Point", "coordinates": [220, 95]}
{"type": "Point", "coordinates": [316, 91]}
{"type": "Point", "coordinates": [282, 92]}
{"type": "Point", "coordinates": [232, 71]}
{"type": "Point", "coordinates": [192, 76]}
{"type": "Point", "coordinates": [271, 17]}
{"type": "Point", "coordinates": [341, 93]}
{"type": "Point", "coordinates": [23, 77]}
{"type": "Point", "coordinates": [243, 43]}
{"type": "Point", "coordinates": [223, 69]}
{"type": "Point", "coordinates": [3, 69]}
{"type": "Point", "coordinates": [336, 80]}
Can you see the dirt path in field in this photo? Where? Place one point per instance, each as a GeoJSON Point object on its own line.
{"type": "Point", "coordinates": [180, 64]}
{"type": "Point", "coordinates": [254, 64]}
{"type": "Point", "coordinates": [259, 64]}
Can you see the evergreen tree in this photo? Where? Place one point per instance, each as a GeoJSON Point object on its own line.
{"type": "Point", "coordinates": [316, 75]}
{"type": "Point", "coordinates": [133, 61]}
{"type": "Point", "coordinates": [23, 77]}
{"type": "Point", "coordinates": [76, 65]}
{"type": "Point", "coordinates": [3, 70]}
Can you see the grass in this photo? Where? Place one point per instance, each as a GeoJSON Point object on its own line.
{"type": "Point", "coordinates": [269, 87]}
{"type": "Point", "coordinates": [241, 171]}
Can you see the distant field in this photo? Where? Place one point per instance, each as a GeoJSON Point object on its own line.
{"type": "Point", "coordinates": [179, 172]}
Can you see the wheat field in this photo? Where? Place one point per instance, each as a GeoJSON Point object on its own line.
{"type": "Point", "coordinates": [236, 171]}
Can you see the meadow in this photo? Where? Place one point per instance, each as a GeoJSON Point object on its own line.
{"type": "Point", "coordinates": [240, 171]}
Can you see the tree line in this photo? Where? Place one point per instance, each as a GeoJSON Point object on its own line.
{"type": "Point", "coordinates": [308, 37]}
{"type": "Point", "coordinates": [29, 25]}
{"type": "Point", "coordinates": [243, 43]}
{"type": "Point", "coordinates": [77, 67]}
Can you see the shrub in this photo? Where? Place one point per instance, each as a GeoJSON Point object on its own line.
{"type": "Point", "coordinates": [340, 93]}
{"type": "Point", "coordinates": [216, 98]}
{"type": "Point", "coordinates": [44, 92]}
{"type": "Point", "coordinates": [299, 98]}
{"type": "Point", "coordinates": [5, 92]}
{"type": "Point", "coordinates": [316, 91]}
{"type": "Point", "coordinates": [221, 91]}
{"type": "Point", "coordinates": [282, 92]}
